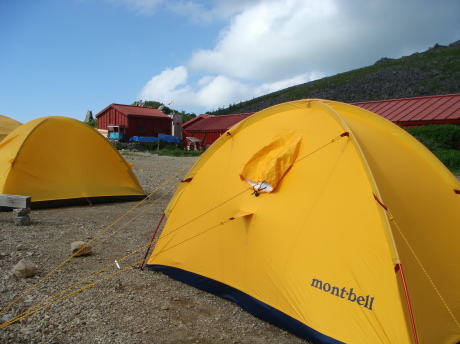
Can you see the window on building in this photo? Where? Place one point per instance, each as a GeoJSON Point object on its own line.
{"type": "Point", "coordinates": [141, 129]}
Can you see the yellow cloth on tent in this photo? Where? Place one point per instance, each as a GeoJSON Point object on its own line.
{"type": "Point", "coordinates": [268, 166]}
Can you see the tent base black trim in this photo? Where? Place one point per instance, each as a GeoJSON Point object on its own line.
{"type": "Point", "coordinates": [248, 303]}
{"type": "Point", "coordinates": [84, 201]}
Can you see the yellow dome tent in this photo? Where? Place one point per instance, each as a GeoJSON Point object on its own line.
{"type": "Point", "coordinates": [62, 161]}
{"type": "Point", "coordinates": [7, 125]}
{"type": "Point", "coordinates": [326, 220]}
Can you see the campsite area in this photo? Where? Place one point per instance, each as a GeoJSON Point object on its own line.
{"type": "Point", "coordinates": [129, 305]}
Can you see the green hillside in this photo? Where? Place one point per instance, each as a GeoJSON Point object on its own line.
{"type": "Point", "coordinates": [433, 72]}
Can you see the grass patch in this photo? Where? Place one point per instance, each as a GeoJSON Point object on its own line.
{"type": "Point", "coordinates": [437, 137]}
{"type": "Point", "coordinates": [450, 158]}
{"type": "Point", "coordinates": [176, 152]}
{"type": "Point", "coordinates": [443, 141]}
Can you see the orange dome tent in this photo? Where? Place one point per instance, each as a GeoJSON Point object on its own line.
{"type": "Point", "coordinates": [7, 125]}
{"type": "Point", "coordinates": [308, 212]}
{"type": "Point", "coordinates": [62, 161]}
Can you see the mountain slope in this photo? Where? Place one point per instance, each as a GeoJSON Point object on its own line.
{"type": "Point", "coordinates": [433, 72]}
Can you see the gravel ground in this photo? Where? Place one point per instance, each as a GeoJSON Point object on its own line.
{"type": "Point", "coordinates": [133, 306]}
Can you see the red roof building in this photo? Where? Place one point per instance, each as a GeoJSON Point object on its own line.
{"type": "Point", "coordinates": [420, 111]}
{"type": "Point", "coordinates": [125, 121]}
{"type": "Point", "coordinates": [407, 112]}
{"type": "Point", "coordinates": [207, 128]}
{"type": "Point", "coordinates": [194, 121]}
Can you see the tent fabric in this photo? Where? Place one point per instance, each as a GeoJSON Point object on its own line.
{"type": "Point", "coordinates": [254, 306]}
{"type": "Point", "coordinates": [362, 199]}
{"type": "Point", "coordinates": [267, 167]}
{"type": "Point", "coordinates": [7, 125]}
{"type": "Point", "coordinates": [62, 161]}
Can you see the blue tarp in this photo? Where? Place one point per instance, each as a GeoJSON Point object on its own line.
{"type": "Point", "coordinates": [169, 138]}
{"type": "Point", "coordinates": [163, 138]}
{"type": "Point", "coordinates": [143, 139]}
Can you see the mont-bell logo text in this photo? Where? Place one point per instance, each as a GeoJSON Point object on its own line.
{"type": "Point", "coordinates": [344, 293]}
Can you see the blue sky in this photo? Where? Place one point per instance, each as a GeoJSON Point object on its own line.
{"type": "Point", "coordinates": [65, 57]}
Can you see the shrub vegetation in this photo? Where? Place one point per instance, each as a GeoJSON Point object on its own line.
{"type": "Point", "coordinates": [163, 148]}
{"type": "Point", "coordinates": [443, 141]}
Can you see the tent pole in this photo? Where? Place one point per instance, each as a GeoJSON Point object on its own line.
{"type": "Point", "coordinates": [398, 267]}
{"type": "Point", "coordinates": [151, 242]}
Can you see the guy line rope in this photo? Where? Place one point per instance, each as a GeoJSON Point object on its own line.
{"type": "Point", "coordinates": [390, 215]}
{"type": "Point", "coordinates": [44, 304]}
{"type": "Point", "coordinates": [97, 236]}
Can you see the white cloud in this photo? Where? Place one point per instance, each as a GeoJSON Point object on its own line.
{"type": "Point", "coordinates": [166, 85]}
{"type": "Point", "coordinates": [210, 92]}
{"type": "Point", "coordinates": [221, 91]}
{"type": "Point", "coordinates": [274, 39]}
{"type": "Point", "coordinates": [270, 40]}
{"type": "Point", "coordinates": [268, 45]}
